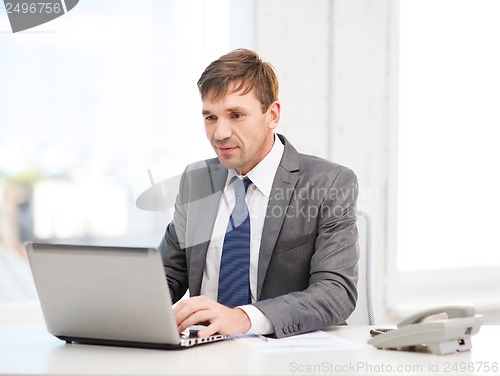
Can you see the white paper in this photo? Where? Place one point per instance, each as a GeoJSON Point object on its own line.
{"type": "Point", "coordinates": [312, 341]}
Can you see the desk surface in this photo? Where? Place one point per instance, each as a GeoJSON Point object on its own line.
{"type": "Point", "coordinates": [28, 349]}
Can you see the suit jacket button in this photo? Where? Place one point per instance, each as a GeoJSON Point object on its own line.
{"type": "Point", "coordinates": [285, 330]}
{"type": "Point", "coordinates": [290, 328]}
{"type": "Point", "coordinates": [295, 327]}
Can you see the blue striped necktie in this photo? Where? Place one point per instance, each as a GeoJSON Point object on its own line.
{"type": "Point", "coordinates": [234, 282]}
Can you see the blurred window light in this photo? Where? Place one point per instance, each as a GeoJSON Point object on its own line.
{"type": "Point", "coordinates": [89, 104]}
{"type": "Point", "coordinates": [449, 133]}
{"type": "Point", "coordinates": [89, 209]}
{"type": "Point", "coordinates": [449, 127]}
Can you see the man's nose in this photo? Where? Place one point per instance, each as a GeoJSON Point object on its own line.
{"type": "Point", "coordinates": [222, 130]}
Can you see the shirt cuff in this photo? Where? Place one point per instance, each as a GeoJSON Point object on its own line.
{"type": "Point", "coordinates": [260, 324]}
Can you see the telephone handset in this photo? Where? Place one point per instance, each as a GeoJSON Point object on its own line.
{"type": "Point", "coordinates": [430, 331]}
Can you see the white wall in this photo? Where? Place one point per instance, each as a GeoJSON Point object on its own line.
{"type": "Point", "coordinates": [338, 91]}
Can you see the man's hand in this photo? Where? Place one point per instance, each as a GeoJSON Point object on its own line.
{"type": "Point", "coordinates": [221, 319]}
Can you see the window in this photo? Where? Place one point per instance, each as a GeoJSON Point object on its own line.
{"type": "Point", "coordinates": [449, 130]}
{"type": "Point", "coordinates": [90, 102]}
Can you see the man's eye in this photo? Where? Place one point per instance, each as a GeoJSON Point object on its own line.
{"type": "Point", "coordinates": [211, 118]}
{"type": "Point", "coordinates": [236, 115]}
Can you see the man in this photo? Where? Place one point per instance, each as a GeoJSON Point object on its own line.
{"type": "Point", "coordinates": [273, 253]}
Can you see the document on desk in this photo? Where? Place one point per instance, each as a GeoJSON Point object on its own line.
{"type": "Point", "coordinates": [315, 341]}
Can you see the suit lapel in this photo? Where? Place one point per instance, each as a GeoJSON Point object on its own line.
{"type": "Point", "coordinates": [282, 191]}
{"type": "Point", "coordinates": [204, 213]}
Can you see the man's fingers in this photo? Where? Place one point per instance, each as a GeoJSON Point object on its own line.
{"type": "Point", "coordinates": [221, 319]}
{"type": "Point", "coordinates": [193, 319]}
{"type": "Point", "coordinates": [209, 330]}
{"type": "Point", "coordinates": [186, 308]}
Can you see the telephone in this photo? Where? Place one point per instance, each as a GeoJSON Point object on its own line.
{"type": "Point", "coordinates": [429, 331]}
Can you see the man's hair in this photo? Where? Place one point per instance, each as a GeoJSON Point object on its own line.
{"type": "Point", "coordinates": [246, 69]}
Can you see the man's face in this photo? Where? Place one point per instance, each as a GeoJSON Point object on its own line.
{"type": "Point", "coordinates": [239, 132]}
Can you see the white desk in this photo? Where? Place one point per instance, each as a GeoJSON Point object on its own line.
{"type": "Point", "coordinates": [27, 348]}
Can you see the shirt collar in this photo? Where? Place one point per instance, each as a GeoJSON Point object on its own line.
{"type": "Point", "coordinates": [262, 175]}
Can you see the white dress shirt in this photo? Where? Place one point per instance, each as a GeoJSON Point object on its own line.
{"type": "Point", "coordinates": [257, 198]}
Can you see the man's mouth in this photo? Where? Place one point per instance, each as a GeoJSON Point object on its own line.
{"type": "Point", "coordinates": [226, 149]}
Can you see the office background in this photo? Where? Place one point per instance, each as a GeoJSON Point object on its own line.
{"type": "Point", "coordinates": [403, 92]}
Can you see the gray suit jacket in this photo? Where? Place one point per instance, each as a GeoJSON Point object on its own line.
{"type": "Point", "coordinates": [307, 268]}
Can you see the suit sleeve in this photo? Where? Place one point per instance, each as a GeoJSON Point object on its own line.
{"type": "Point", "coordinates": [172, 248]}
{"type": "Point", "coordinates": [331, 294]}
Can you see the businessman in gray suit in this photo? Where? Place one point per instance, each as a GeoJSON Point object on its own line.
{"type": "Point", "coordinates": [264, 237]}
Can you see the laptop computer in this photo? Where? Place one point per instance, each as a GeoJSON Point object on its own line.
{"type": "Point", "coordinates": [115, 296]}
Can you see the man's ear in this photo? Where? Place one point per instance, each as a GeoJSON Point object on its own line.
{"type": "Point", "coordinates": [274, 114]}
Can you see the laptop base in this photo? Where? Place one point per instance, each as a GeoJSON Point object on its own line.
{"type": "Point", "coordinates": [184, 344]}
